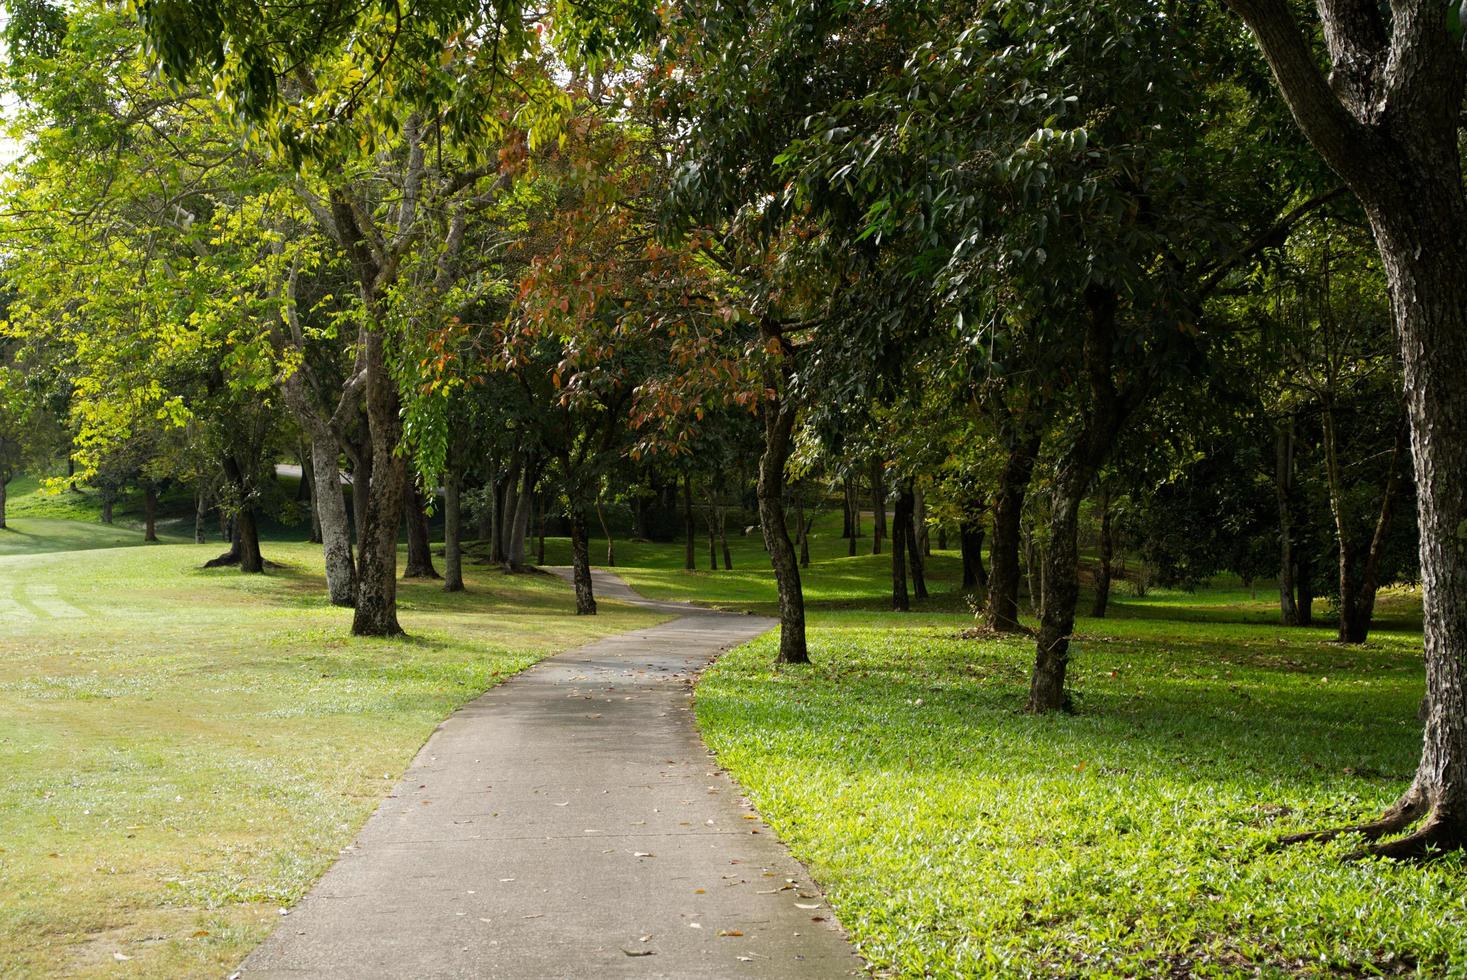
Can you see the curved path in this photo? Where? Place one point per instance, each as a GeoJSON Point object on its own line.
{"type": "Point", "coordinates": [570, 823]}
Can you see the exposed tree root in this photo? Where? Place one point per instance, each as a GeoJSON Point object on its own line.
{"type": "Point", "coordinates": [1435, 836]}
{"type": "Point", "coordinates": [1399, 817]}
{"type": "Point", "coordinates": [231, 558]}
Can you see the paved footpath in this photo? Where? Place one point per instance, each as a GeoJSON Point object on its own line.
{"type": "Point", "coordinates": [570, 823]}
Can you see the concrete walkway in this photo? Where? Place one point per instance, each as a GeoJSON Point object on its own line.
{"type": "Point", "coordinates": [570, 823]}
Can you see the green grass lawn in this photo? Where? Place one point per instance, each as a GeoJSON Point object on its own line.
{"type": "Point", "coordinates": [959, 837]}
{"type": "Point", "coordinates": [186, 751]}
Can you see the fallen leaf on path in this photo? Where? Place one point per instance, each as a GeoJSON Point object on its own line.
{"type": "Point", "coordinates": [730, 932]}
{"type": "Point", "coordinates": [639, 952]}
{"type": "Point", "coordinates": [800, 905]}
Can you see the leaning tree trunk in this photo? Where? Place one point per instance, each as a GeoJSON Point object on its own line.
{"type": "Point", "coordinates": [1107, 553]}
{"type": "Point", "coordinates": [1002, 610]}
{"type": "Point", "coordinates": [581, 561]}
{"type": "Point", "coordinates": [779, 427]}
{"type": "Point", "coordinates": [1102, 417]}
{"type": "Point", "coordinates": [453, 561]}
{"type": "Point", "coordinates": [420, 546]}
{"type": "Point", "coordinates": [330, 509]}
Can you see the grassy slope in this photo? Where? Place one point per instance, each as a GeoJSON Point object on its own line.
{"type": "Point", "coordinates": [186, 751]}
{"type": "Point", "coordinates": [958, 836]}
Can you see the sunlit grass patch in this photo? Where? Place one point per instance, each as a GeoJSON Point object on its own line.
{"type": "Point", "coordinates": [958, 836]}
{"type": "Point", "coordinates": [185, 751]}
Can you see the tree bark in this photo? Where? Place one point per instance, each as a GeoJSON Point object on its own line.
{"type": "Point", "coordinates": [4, 484]}
{"type": "Point", "coordinates": [248, 531]}
{"type": "Point", "coordinates": [1283, 486]}
{"type": "Point", "coordinates": [109, 497]}
{"type": "Point", "coordinates": [453, 563]}
{"type": "Point", "coordinates": [581, 562]}
{"type": "Point", "coordinates": [901, 526]}
{"type": "Point", "coordinates": [201, 510]}
{"type": "Point", "coordinates": [515, 553]}
{"type": "Point", "coordinates": [913, 537]}
{"type": "Point", "coordinates": [723, 539]}
{"type": "Point", "coordinates": [376, 607]}
{"type": "Point", "coordinates": [420, 547]}
{"type": "Point", "coordinates": [1105, 410]}
{"type": "Point", "coordinates": [330, 510]}
{"type": "Point", "coordinates": [1388, 123]}
{"type": "Point", "coordinates": [779, 425]}
{"type": "Point", "coordinates": [610, 544]}
{"type": "Point", "coordinates": [150, 513]}
{"type": "Point", "coordinates": [1107, 553]}
{"type": "Point", "coordinates": [919, 519]}
{"type": "Point", "coordinates": [970, 541]}
{"type": "Point", "coordinates": [540, 528]}
{"type": "Point", "coordinates": [690, 528]}
{"type": "Point", "coordinates": [1359, 573]}
{"type": "Point", "coordinates": [1002, 611]}
{"type": "Point", "coordinates": [878, 506]}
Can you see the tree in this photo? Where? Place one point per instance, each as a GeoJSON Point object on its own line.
{"type": "Point", "coordinates": [1387, 119]}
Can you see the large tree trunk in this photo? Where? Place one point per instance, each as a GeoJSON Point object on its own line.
{"type": "Point", "coordinates": [420, 546]}
{"type": "Point", "coordinates": [150, 513]}
{"type": "Point", "coordinates": [330, 509]}
{"type": "Point", "coordinates": [248, 530]}
{"type": "Point", "coordinates": [453, 562]}
{"type": "Point", "coordinates": [779, 426]}
{"type": "Point", "coordinates": [1107, 553]}
{"type": "Point", "coordinates": [878, 506]}
{"type": "Point", "coordinates": [376, 607]}
{"type": "Point", "coordinates": [581, 562]}
{"type": "Point", "coordinates": [1002, 610]}
{"type": "Point", "coordinates": [1388, 122]}
{"type": "Point", "coordinates": [109, 497]}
